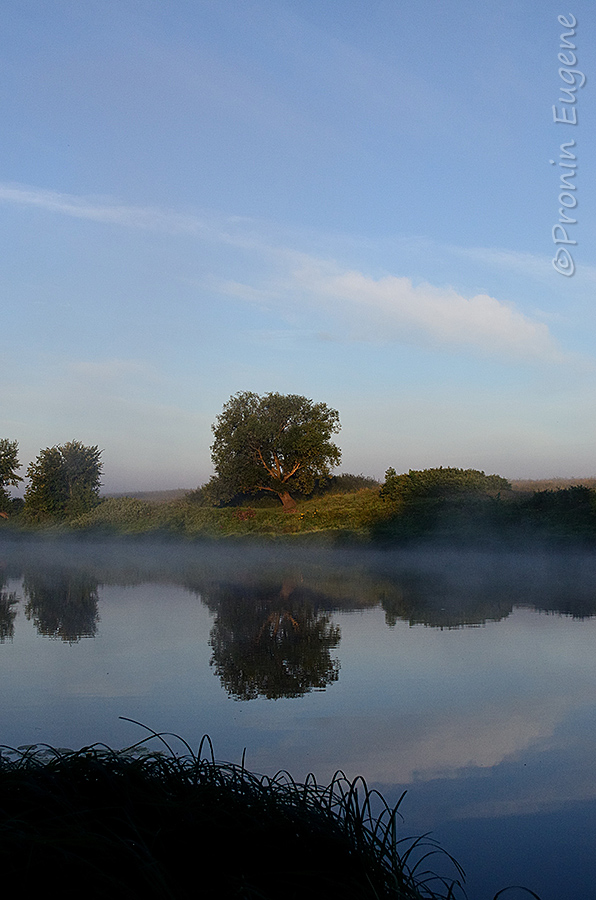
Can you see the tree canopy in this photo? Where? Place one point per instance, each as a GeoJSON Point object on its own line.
{"type": "Point", "coordinates": [64, 480]}
{"type": "Point", "coordinates": [9, 463]}
{"type": "Point", "coordinates": [275, 442]}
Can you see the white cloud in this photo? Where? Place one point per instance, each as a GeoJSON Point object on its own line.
{"type": "Point", "coordinates": [244, 291]}
{"type": "Point", "coordinates": [392, 308]}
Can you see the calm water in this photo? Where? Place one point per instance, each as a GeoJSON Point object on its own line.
{"type": "Point", "coordinates": [468, 679]}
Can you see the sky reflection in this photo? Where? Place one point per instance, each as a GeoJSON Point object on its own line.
{"type": "Point", "coordinates": [490, 723]}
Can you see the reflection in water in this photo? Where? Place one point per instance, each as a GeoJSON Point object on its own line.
{"type": "Point", "coordinates": [479, 724]}
{"type": "Point", "coordinates": [271, 642]}
{"type": "Point", "coordinates": [432, 587]}
{"type": "Point", "coordinates": [8, 602]}
{"type": "Point", "coordinates": [62, 602]}
{"type": "Point", "coordinates": [419, 600]}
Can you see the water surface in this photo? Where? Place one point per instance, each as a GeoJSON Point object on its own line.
{"type": "Point", "coordinates": [467, 679]}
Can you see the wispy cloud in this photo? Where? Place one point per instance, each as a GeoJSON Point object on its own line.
{"type": "Point", "coordinates": [235, 231]}
{"type": "Point", "coordinates": [260, 296]}
{"type": "Point", "coordinates": [534, 265]}
{"type": "Point", "coordinates": [391, 308]}
{"type": "Point", "coordinates": [98, 210]}
{"type": "Point", "coordinates": [113, 370]}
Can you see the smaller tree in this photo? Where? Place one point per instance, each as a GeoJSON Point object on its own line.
{"type": "Point", "coordinates": [64, 481]}
{"type": "Point", "coordinates": [9, 463]}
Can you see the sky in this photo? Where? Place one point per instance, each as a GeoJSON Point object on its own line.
{"type": "Point", "coordinates": [351, 200]}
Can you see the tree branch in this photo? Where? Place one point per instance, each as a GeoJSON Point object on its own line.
{"type": "Point", "coordinates": [279, 468]}
{"type": "Point", "coordinates": [295, 469]}
{"type": "Point", "coordinates": [260, 455]}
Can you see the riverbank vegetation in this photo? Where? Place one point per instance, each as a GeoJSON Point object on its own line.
{"type": "Point", "coordinates": [461, 505]}
{"type": "Point", "coordinates": [140, 823]}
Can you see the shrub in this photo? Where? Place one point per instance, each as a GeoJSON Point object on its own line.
{"type": "Point", "coordinates": [440, 483]}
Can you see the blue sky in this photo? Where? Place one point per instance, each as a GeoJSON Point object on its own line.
{"type": "Point", "coordinates": [344, 199]}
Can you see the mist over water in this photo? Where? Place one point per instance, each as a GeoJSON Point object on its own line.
{"type": "Point", "coordinates": [466, 677]}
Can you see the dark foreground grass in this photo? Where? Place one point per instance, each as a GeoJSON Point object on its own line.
{"type": "Point", "coordinates": [134, 823]}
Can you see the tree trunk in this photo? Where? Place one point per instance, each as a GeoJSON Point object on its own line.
{"type": "Point", "coordinates": [288, 502]}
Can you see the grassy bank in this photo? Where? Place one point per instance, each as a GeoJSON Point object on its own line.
{"type": "Point", "coordinates": [353, 513]}
{"type": "Point", "coordinates": [362, 516]}
{"type": "Point", "coordinates": [140, 824]}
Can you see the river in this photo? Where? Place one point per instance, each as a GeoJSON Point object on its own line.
{"type": "Point", "coordinates": [467, 679]}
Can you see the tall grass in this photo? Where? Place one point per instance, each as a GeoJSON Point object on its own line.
{"type": "Point", "coordinates": [335, 512]}
{"type": "Point", "coordinates": [143, 823]}
{"type": "Point", "coordinates": [148, 824]}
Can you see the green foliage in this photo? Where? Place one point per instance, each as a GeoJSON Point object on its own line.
{"type": "Point", "coordinates": [332, 514]}
{"type": "Point", "coordinates": [213, 493]}
{"type": "Point", "coordinates": [362, 516]}
{"type": "Point", "coordinates": [64, 481]}
{"type": "Point", "coordinates": [208, 494]}
{"type": "Point", "coordinates": [125, 515]}
{"type": "Point", "coordinates": [200, 496]}
{"type": "Point", "coordinates": [447, 503]}
{"type": "Point", "coordinates": [576, 498]}
{"type": "Point", "coordinates": [16, 505]}
{"type": "Point", "coordinates": [345, 484]}
{"type": "Point", "coordinates": [9, 463]}
{"type": "Point", "coordinates": [440, 483]}
{"type": "Point", "coordinates": [277, 442]}
{"type": "Point", "coordinates": [46, 494]}
{"type": "Point", "coordinates": [570, 511]}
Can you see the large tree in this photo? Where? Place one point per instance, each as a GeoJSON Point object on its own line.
{"type": "Point", "coordinates": [64, 480]}
{"type": "Point", "coordinates": [9, 463]}
{"type": "Point", "coordinates": [277, 442]}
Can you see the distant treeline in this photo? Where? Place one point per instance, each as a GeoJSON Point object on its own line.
{"type": "Point", "coordinates": [529, 485]}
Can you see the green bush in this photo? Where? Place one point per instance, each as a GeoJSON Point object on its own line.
{"type": "Point", "coordinates": [440, 483]}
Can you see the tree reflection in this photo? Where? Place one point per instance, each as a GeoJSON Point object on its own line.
{"type": "Point", "coordinates": [62, 603]}
{"type": "Point", "coordinates": [8, 612]}
{"type": "Point", "coordinates": [439, 604]}
{"type": "Point", "coordinates": [271, 641]}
